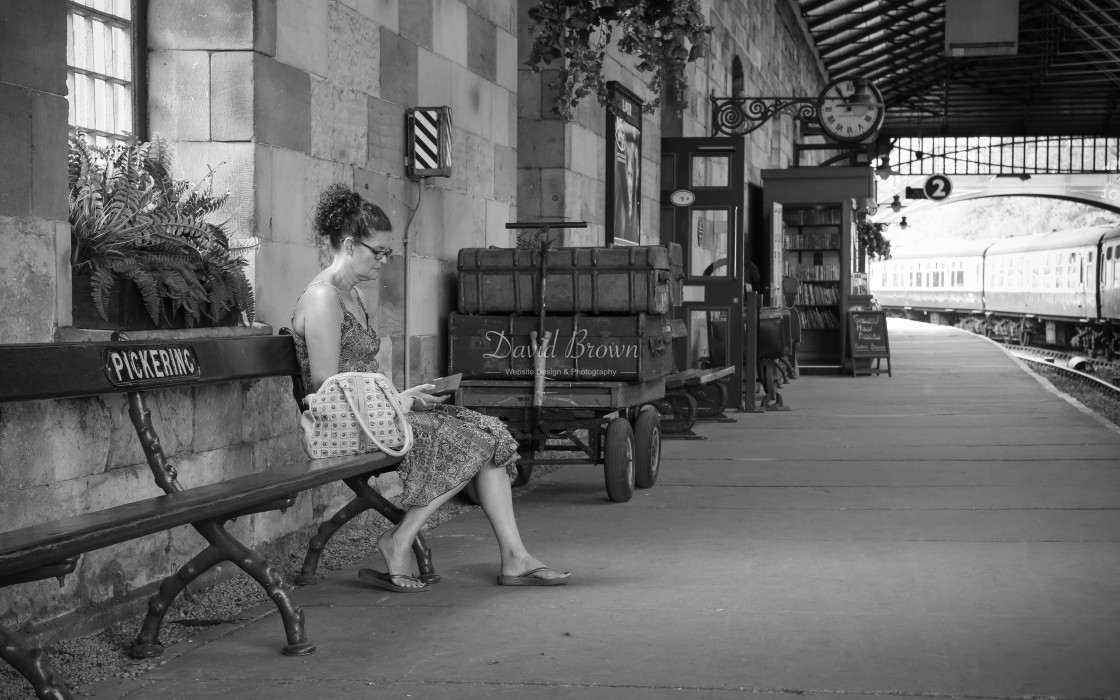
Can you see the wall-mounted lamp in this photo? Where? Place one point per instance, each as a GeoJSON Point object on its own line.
{"type": "Point", "coordinates": [896, 204]}
{"type": "Point", "coordinates": [884, 170]}
{"type": "Point", "coordinates": [902, 224]}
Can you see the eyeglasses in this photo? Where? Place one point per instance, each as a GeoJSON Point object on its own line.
{"type": "Point", "coordinates": [379, 254]}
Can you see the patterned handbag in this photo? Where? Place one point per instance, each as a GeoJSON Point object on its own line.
{"type": "Point", "coordinates": [352, 413]}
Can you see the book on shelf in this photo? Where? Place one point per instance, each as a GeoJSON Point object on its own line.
{"type": "Point", "coordinates": [813, 273]}
{"type": "Point", "coordinates": [818, 319]}
{"type": "Point", "coordinates": [829, 240]}
{"type": "Point", "coordinates": [812, 216]}
{"type": "Point", "coordinates": [812, 294]}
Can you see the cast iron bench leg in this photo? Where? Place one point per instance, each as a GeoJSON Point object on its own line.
{"type": "Point", "coordinates": [32, 665]}
{"type": "Point", "coordinates": [223, 547]}
{"type": "Point", "coordinates": [367, 498]}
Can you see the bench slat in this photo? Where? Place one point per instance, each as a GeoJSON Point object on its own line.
{"type": "Point", "coordinates": [42, 544]}
{"type": "Point", "coordinates": [73, 370]}
{"type": "Point", "coordinates": [693, 377]}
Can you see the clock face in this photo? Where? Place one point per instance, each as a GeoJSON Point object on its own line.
{"type": "Point", "coordinates": [848, 116]}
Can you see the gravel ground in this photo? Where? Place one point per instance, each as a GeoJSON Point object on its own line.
{"type": "Point", "coordinates": [1101, 401]}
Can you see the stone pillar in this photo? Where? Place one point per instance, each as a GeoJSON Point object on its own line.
{"type": "Point", "coordinates": [34, 233]}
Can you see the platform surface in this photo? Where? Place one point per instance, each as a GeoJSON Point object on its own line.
{"type": "Point", "coordinates": [951, 531]}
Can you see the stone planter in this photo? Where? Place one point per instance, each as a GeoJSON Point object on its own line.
{"type": "Point", "coordinates": [127, 312]}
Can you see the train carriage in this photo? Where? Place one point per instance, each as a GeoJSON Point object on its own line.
{"type": "Point", "coordinates": [943, 280]}
{"type": "Point", "coordinates": [1109, 275]}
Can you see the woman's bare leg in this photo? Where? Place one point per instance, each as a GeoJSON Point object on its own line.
{"type": "Point", "coordinates": [496, 499]}
{"type": "Point", "coordinates": [395, 544]}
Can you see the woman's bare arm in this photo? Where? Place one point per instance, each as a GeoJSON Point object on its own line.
{"type": "Point", "coordinates": [320, 316]}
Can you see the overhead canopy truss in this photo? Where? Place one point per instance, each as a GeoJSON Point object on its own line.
{"type": "Point", "coordinates": [978, 155]}
{"type": "Point", "coordinates": [1064, 80]}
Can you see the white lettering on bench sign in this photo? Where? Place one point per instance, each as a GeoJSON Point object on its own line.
{"type": "Point", "coordinates": [150, 364]}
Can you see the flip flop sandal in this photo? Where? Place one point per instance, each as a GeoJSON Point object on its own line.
{"type": "Point", "coordinates": [382, 580]}
{"type": "Point", "coordinates": [528, 579]}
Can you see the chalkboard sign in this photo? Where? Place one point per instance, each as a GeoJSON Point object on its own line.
{"type": "Point", "coordinates": [867, 339]}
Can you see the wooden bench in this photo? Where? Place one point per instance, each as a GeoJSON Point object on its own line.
{"type": "Point", "coordinates": [51, 549]}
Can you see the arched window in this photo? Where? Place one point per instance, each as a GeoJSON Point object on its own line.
{"type": "Point", "coordinates": [738, 84]}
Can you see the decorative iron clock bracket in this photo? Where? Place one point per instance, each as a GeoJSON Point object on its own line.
{"type": "Point", "coordinates": [739, 116]}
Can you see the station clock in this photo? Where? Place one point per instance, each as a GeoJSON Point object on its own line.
{"type": "Point", "coordinates": [851, 109]}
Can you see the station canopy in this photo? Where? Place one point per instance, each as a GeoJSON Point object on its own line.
{"type": "Point", "coordinates": [965, 68]}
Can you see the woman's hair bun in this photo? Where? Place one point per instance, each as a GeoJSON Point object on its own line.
{"type": "Point", "coordinates": [342, 212]}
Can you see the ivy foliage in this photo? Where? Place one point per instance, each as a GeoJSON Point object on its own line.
{"type": "Point", "coordinates": [130, 220]}
{"type": "Point", "coordinates": [664, 35]}
{"type": "Point", "coordinates": [872, 240]}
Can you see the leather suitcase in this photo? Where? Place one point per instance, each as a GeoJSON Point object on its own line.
{"type": "Point", "coordinates": [618, 280]}
{"type": "Point", "coordinates": [634, 348]}
{"type": "Point", "coordinates": [775, 333]}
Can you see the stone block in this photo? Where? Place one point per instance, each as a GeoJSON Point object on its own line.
{"type": "Point", "coordinates": [33, 46]}
{"type": "Point", "coordinates": [415, 22]}
{"type": "Point", "coordinates": [582, 150]}
{"type": "Point", "coordinates": [301, 34]}
{"type": "Point", "coordinates": [460, 168]}
{"type": "Point", "coordinates": [479, 165]}
{"type": "Point", "coordinates": [179, 94]}
{"type": "Point", "coordinates": [522, 31]}
{"type": "Point", "coordinates": [282, 104]}
{"type": "Point", "coordinates": [339, 123]}
{"type": "Point", "coordinates": [49, 148]}
{"type": "Point", "coordinates": [231, 96]}
{"type": "Point", "coordinates": [427, 228]}
{"type": "Point", "coordinates": [464, 223]}
{"type": "Point", "coordinates": [506, 60]}
{"type": "Point", "coordinates": [502, 120]}
{"type": "Point", "coordinates": [115, 572]}
{"type": "Point", "coordinates": [384, 12]}
{"type": "Point", "coordinates": [283, 269]}
{"type": "Point", "coordinates": [15, 151]}
{"type": "Point", "coordinates": [281, 449]}
{"type": "Point", "coordinates": [119, 486]}
{"type": "Point", "coordinates": [264, 27]}
{"type": "Point", "coordinates": [482, 46]}
{"type": "Point", "coordinates": [28, 268]}
{"type": "Point", "coordinates": [222, 25]}
{"type": "Point", "coordinates": [470, 101]}
{"type": "Point", "coordinates": [385, 137]}
{"type": "Point", "coordinates": [497, 216]}
{"type": "Point", "coordinates": [429, 357]}
{"type": "Point", "coordinates": [505, 175]}
{"type": "Point", "coordinates": [291, 213]}
{"type": "Point", "coordinates": [63, 291]}
{"type": "Point", "coordinates": [399, 70]}
{"type": "Point", "coordinates": [217, 416]}
{"type": "Point", "coordinates": [449, 30]}
{"type": "Point", "coordinates": [25, 506]}
{"type": "Point", "coordinates": [233, 169]}
{"type": "Point", "coordinates": [529, 193]}
{"type": "Point", "coordinates": [544, 144]}
{"type": "Point", "coordinates": [267, 409]}
{"type": "Point", "coordinates": [427, 315]}
{"type": "Point", "coordinates": [263, 188]}
{"type": "Point", "coordinates": [354, 51]}
{"type": "Point", "coordinates": [558, 187]}
{"type": "Point", "coordinates": [435, 89]}
{"type": "Point", "coordinates": [528, 95]}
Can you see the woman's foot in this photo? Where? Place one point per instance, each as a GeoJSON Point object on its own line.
{"type": "Point", "coordinates": [529, 571]}
{"type": "Point", "coordinates": [398, 560]}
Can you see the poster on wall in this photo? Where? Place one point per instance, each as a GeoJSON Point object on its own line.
{"type": "Point", "coordinates": [624, 167]}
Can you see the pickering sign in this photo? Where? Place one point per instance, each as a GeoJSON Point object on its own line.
{"type": "Point", "coordinates": [150, 364]}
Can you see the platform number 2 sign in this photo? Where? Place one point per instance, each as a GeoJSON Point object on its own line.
{"type": "Point", "coordinates": [937, 187]}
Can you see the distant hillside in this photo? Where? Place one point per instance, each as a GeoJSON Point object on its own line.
{"type": "Point", "coordinates": [997, 217]}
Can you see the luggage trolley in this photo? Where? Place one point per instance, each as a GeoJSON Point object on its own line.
{"type": "Point", "coordinates": [583, 420]}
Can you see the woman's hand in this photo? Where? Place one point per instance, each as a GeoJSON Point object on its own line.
{"type": "Point", "coordinates": [418, 398]}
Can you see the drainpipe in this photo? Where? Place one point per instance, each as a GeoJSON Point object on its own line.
{"type": "Point", "coordinates": [407, 274]}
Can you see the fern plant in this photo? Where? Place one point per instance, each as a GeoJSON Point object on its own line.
{"type": "Point", "coordinates": [131, 220]}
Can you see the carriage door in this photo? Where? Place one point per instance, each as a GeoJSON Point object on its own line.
{"type": "Point", "coordinates": [702, 210]}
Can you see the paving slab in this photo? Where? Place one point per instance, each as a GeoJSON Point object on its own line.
{"type": "Point", "coordinates": [951, 531]}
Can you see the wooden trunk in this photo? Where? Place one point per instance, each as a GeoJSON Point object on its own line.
{"type": "Point", "coordinates": [634, 348]}
{"type": "Point", "coordinates": [620, 280]}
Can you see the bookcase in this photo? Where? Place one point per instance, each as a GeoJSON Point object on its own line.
{"type": "Point", "coordinates": [814, 244]}
{"type": "Point", "coordinates": [809, 235]}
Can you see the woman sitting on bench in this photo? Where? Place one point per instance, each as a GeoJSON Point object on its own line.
{"type": "Point", "coordinates": [452, 445]}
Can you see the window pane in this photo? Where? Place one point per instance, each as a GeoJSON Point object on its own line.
{"type": "Point", "coordinates": [710, 171]}
{"type": "Point", "coordinates": [708, 243]}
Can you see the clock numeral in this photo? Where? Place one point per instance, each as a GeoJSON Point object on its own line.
{"type": "Point", "coordinates": [868, 118]}
{"type": "Point", "coordinates": [831, 119]}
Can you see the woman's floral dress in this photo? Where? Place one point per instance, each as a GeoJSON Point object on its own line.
{"type": "Point", "coordinates": [451, 443]}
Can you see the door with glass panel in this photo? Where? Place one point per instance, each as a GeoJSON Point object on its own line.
{"type": "Point", "coordinates": [702, 210]}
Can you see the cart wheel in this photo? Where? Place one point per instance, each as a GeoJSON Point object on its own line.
{"type": "Point", "coordinates": [647, 437]}
{"type": "Point", "coordinates": [524, 473]}
{"type": "Point", "coordinates": [618, 460]}
{"type": "Point", "coordinates": [711, 399]}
